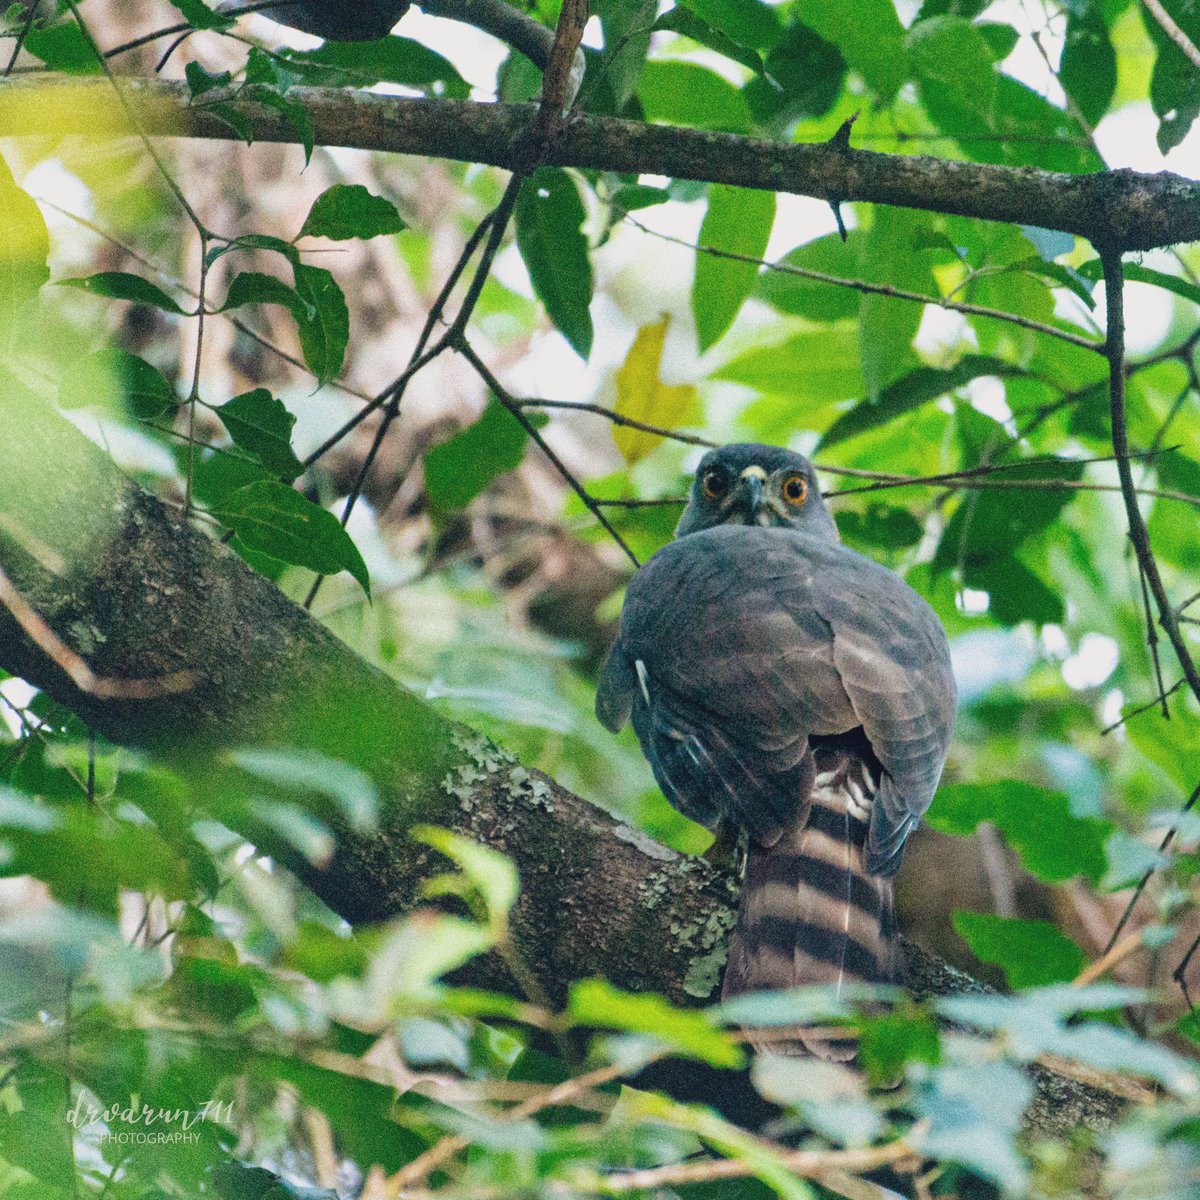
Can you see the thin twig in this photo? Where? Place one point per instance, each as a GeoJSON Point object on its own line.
{"type": "Point", "coordinates": [452, 1144]}
{"type": "Point", "coordinates": [1173, 31]}
{"type": "Point", "coordinates": [1137, 712]}
{"type": "Point", "coordinates": [594, 506]}
{"type": "Point", "coordinates": [879, 289]}
{"type": "Point", "coordinates": [617, 419]}
{"type": "Point", "coordinates": [26, 25]}
{"type": "Point", "coordinates": [1116, 953]}
{"type": "Point", "coordinates": [810, 1164]}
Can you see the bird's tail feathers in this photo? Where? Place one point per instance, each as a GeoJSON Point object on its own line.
{"type": "Point", "coordinates": [811, 913]}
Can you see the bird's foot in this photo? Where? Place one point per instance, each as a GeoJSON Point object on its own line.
{"type": "Point", "coordinates": [837, 791]}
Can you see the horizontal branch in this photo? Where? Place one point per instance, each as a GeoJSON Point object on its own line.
{"type": "Point", "coordinates": [1124, 209]}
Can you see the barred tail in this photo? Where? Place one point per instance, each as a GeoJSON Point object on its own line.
{"type": "Point", "coordinates": [811, 913]}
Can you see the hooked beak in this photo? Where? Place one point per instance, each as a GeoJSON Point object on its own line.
{"type": "Point", "coordinates": [752, 480]}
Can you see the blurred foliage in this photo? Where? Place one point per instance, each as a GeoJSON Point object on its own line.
{"type": "Point", "coordinates": [182, 1018]}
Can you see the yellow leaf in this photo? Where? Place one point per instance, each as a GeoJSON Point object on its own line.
{"type": "Point", "coordinates": [642, 395]}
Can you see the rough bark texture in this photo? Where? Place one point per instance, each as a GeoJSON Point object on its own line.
{"type": "Point", "coordinates": [144, 594]}
{"type": "Point", "coordinates": [1122, 209]}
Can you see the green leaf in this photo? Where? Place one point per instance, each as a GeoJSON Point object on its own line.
{"type": "Point", "coordinates": [24, 247]}
{"type": "Point", "coordinates": [114, 373]}
{"type": "Point", "coordinates": [1136, 273]}
{"type": "Point", "coordinates": [63, 47]}
{"type": "Point", "coordinates": [911, 391]}
{"type": "Point", "coordinates": [391, 59]}
{"type": "Point", "coordinates": [199, 16]}
{"type": "Point", "coordinates": [1088, 67]}
{"type": "Point", "coordinates": [1051, 841]}
{"type": "Point", "coordinates": [988, 525]}
{"type": "Point", "coordinates": [684, 93]}
{"type": "Point", "coordinates": [200, 81]}
{"type": "Point", "coordinates": [639, 195]}
{"type": "Point", "coordinates": [807, 297]}
{"type": "Point", "coordinates": [291, 110]}
{"type": "Point", "coordinates": [1170, 745]}
{"type": "Point", "coordinates": [746, 22]}
{"type": "Point", "coordinates": [597, 1002]}
{"type": "Point", "coordinates": [682, 20]}
{"type": "Point", "coordinates": [550, 236]}
{"type": "Point", "coordinates": [252, 287]}
{"type": "Point", "coordinates": [120, 285]}
{"type": "Point", "coordinates": [325, 335]}
{"type": "Point", "coordinates": [738, 221]}
{"type": "Point", "coordinates": [1175, 82]}
{"type": "Point", "coordinates": [458, 470]}
{"type": "Point", "coordinates": [883, 526]}
{"type": "Point", "coordinates": [1031, 953]}
{"type": "Point", "coordinates": [811, 368]}
{"type": "Point", "coordinates": [804, 77]}
{"type": "Point", "coordinates": [489, 871]}
{"type": "Point", "coordinates": [950, 56]}
{"type": "Point", "coordinates": [872, 43]}
{"type": "Point", "coordinates": [276, 520]}
{"type": "Point", "coordinates": [891, 254]}
{"type": "Point", "coordinates": [889, 1042]}
{"type": "Point", "coordinates": [307, 771]}
{"type": "Point", "coordinates": [218, 474]}
{"type": "Point", "coordinates": [348, 210]}
{"type": "Point", "coordinates": [260, 424]}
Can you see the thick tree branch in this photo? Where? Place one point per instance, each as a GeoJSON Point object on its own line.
{"type": "Point", "coordinates": [1123, 209]}
{"type": "Point", "coordinates": [141, 594]}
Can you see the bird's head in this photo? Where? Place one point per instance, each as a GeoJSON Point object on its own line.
{"type": "Point", "coordinates": [749, 484]}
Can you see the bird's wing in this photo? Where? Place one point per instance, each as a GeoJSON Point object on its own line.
{"type": "Point", "coordinates": [731, 681]}
{"type": "Point", "coordinates": [894, 661]}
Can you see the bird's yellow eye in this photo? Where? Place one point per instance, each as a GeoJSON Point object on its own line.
{"type": "Point", "coordinates": [715, 484]}
{"type": "Point", "coordinates": [795, 488]}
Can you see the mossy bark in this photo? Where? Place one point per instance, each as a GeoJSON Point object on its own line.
{"type": "Point", "coordinates": [127, 582]}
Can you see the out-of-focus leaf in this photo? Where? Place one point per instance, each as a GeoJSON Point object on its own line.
{"type": "Point", "coordinates": [1038, 824]}
{"type": "Point", "coordinates": [887, 1043]}
{"type": "Point", "coordinates": [1136, 273]}
{"type": "Point", "coordinates": [276, 520]}
{"type": "Point", "coordinates": [392, 59]}
{"type": "Point", "coordinates": [831, 1097]}
{"type": "Point", "coordinates": [949, 55]}
{"type": "Point", "coordinates": [24, 248]}
{"type": "Point", "coordinates": [489, 871]}
{"type": "Point", "coordinates": [458, 470]}
{"type": "Point", "coordinates": [63, 47]}
{"type": "Point", "coordinates": [1175, 82]}
{"type": "Point", "coordinates": [747, 22]}
{"type": "Point", "coordinates": [918, 387]}
{"type": "Point", "coordinates": [881, 525]}
{"type": "Point", "coordinates": [890, 254]}
{"type": "Point", "coordinates": [260, 424]}
{"type": "Point", "coordinates": [324, 335]}
{"type": "Point", "coordinates": [1088, 67]}
{"type": "Point", "coordinates": [681, 19]}
{"type": "Point", "coordinates": [595, 1002]}
{"type": "Point", "coordinates": [812, 369]}
{"type": "Point", "coordinates": [121, 285]}
{"type": "Point", "coordinates": [307, 771]}
{"type": "Point", "coordinates": [803, 77]}
{"type": "Point", "coordinates": [639, 195]}
{"type": "Point", "coordinates": [114, 374]}
{"type": "Point", "coordinates": [549, 219]}
{"type": "Point", "coordinates": [642, 395]}
{"type": "Point", "coordinates": [738, 221]}
{"type": "Point", "coordinates": [200, 81]}
{"type": "Point", "coordinates": [808, 297]}
{"type": "Point", "coordinates": [872, 43]}
{"type": "Point", "coordinates": [1031, 953]}
{"type": "Point", "coordinates": [973, 1113]}
{"type": "Point", "coordinates": [1169, 744]}
{"type": "Point", "coordinates": [684, 93]}
{"type": "Point", "coordinates": [199, 16]}
{"type": "Point", "coordinates": [348, 210]}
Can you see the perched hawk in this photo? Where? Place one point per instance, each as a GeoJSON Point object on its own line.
{"type": "Point", "coordinates": [786, 685]}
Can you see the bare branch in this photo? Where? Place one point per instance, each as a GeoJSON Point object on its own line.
{"type": "Point", "coordinates": [1121, 208]}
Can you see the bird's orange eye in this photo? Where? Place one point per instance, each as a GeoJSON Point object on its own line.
{"type": "Point", "coordinates": [715, 484]}
{"type": "Point", "coordinates": [795, 488]}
